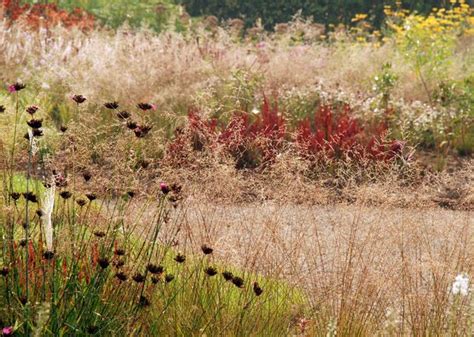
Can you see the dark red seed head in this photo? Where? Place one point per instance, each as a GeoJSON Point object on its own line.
{"type": "Point", "coordinates": [227, 275]}
{"type": "Point", "coordinates": [4, 271]}
{"type": "Point", "coordinates": [210, 271]}
{"type": "Point", "coordinates": [48, 255]}
{"type": "Point", "coordinates": [79, 99]}
{"type": "Point", "coordinates": [180, 258]}
{"type": "Point", "coordinates": [238, 281]}
{"type": "Point", "coordinates": [35, 123]}
{"type": "Point", "coordinates": [104, 262]}
{"type": "Point", "coordinates": [121, 276]}
{"type": "Point", "coordinates": [81, 202]}
{"type": "Point", "coordinates": [65, 195]}
{"type": "Point", "coordinates": [155, 269]}
{"type": "Point", "coordinates": [91, 196]}
{"type": "Point", "coordinates": [32, 109]}
{"type": "Point", "coordinates": [206, 249]}
{"type": "Point", "coordinates": [139, 278]}
{"type": "Point", "coordinates": [111, 105]}
{"type": "Point", "coordinates": [257, 289]}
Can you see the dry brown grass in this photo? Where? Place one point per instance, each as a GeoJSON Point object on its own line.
{"type": "Point", "coordinates": [366, 271]}
{"type": "Point", "coordinates": [173, 69]}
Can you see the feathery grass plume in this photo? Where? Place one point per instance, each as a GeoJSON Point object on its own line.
{"type": "Point", "coordinates": [47, 212]}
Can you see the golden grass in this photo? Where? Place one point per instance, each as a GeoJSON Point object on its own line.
{"type": "Point", "coordinates": [366, 270]}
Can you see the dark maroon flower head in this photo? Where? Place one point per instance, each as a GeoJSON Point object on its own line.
{"type": "Point", "coordinates": [2, 108]}
{"type": "Point", "coordinates": [139, 278]}
{"type": "Point", "coordinates": [227, 275]}
{"type": "Point", "coordinates": [164, 188]}
{"type": "Point", "coordinates": [99, 234]}
{"type": "Point", "coordinates": [210, 271]}
{"type": "Point", "coordinates": [81, 202]}
{"type": "Point", "coordinates": [111, 105]}
{"type": "Point", "coordinates": [104, 262]}
{"type": "Point", "coordinates": [180, 258]}
{"type": "Point", "coordinates": [32, 109]}
{"type": "Point", "coordinates": [206, 249]}
{"type": "Point", "coordinates": [36, 134]}
{"type": "Point", "coordinates": [131, 125]}
{"type": "Point", "coordinates": [30, 196]}
{"type": "Point", "coordinates": [79, 99]}
{"type": "Point", "coordinates": [123, 114]}
{"type": "Point", "coordinates": [22, 242]}
{"type": "Point", "coordinates": [63, 128]}
{"type": "Point", "coordinates": [15, 87]}
{"type": "Point", "coordinates": [65, 195]}
{"type": "Point", "coordinates": [39, 213]}
{"type": "Point", "coordinates": [91, 196]}
{"type": "Point", "coordinates": [48, 255]}
{"type": "Point", "coordinates": [35, 123]}
{"type": "Point", "coordinates": [87, 175]}
{"type": "Point", "coordinates": [169, 278]}
{"type": "Point", "coordinates": [4, 271]}
{"type": "Point", "coordinates": [238, 281]}
{"type": "Point", "coordinates": [121, 276]}
{"type": "Point", "coordinates": [155, 269]}
{"type": "Point", "coordinates": [131, 194]}
{"type": "Point", "coordinates": [143, 301]}
{"type": "Point", "coordinates": [145, 106]}
{"type": "Point", "coordinates": [155, 279]}
{"type": "Point", "coordinates": [142, 130]}
{"type": "Point", "coordinates": [257, 289]}
{"type": "Point", "coordinates": [15, 195]}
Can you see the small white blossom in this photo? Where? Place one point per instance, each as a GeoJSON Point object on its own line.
{"type": "Point", "coordinates": [461, 285]}
{"type": "Point", "coordinates": [255, 111]}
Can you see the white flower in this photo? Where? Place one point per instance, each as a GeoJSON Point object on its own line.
{"type": "Point", "coordinates": [461, 285]}
{"type": "Point", "coordinates": [48, 205]}
{"type": "Point", "coordinates": [255, 111]}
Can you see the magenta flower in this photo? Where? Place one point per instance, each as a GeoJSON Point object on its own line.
{"type": "Point", "coordinates": [16, 87]}
{"type": "Point", "coordinates": [164, 188]}
{"type": "Point", "coordinates": [7, 331]}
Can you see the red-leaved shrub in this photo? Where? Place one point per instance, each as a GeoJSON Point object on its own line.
{"type": "Point", "coordinates": [255, 140]}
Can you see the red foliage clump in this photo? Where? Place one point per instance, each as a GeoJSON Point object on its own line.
{"type": "Point", "coordinates": [340, 136]}
{"type": "Point", "coordinates": [255, 141]}
{"type": "Point", "coordinates": [46, 15]}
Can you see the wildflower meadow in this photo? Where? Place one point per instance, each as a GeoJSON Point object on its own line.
{"type": "Point", "coordinates": [236, 168]}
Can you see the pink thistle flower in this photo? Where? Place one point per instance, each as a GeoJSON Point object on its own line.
{"type": "Point", "coordinates": [164, 188]}
{"type": "Point", "coordinates": [16, 87]}
{"type": "Point", "coordinates": [7, 331]}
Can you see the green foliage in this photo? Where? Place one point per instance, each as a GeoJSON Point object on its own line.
{"type": "Point", "coordinates": [384, 83]}
{"type": "Point", "coordinates": [273, 12]}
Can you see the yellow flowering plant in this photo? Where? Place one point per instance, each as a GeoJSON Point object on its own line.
{"type": "Point", "coordinates": [429, 41]}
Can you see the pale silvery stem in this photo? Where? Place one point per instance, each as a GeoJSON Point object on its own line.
{"type": "Point", "coordinates": [48, 205]}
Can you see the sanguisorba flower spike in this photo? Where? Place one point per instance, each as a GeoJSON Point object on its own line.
{"type": "Point", "coordinates": [32, 109]}
{"type": "Point", "coordinates": [146, 106]}
{"type": "Point", "coordinates": [79, 99]}
{"type": "Point", "coordinates": [111, 105]}
{"type": "Point", "coordinates": [15, 87]}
